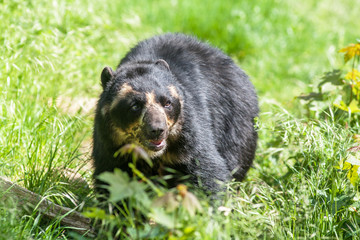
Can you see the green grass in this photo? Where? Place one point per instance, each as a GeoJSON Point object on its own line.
{"type": "Point", "coordinates": [52, 49]}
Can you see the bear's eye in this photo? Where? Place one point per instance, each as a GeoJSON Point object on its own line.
{"type": "Point", "coordinates": [167, 104]}
{"type": "Point", "coordinates": [135, 107]}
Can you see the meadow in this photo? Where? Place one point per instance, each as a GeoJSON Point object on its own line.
{"type": "Point", "coordinates": [304, 181]}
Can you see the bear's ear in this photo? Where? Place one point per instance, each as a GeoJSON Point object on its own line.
{"type": "Point", "coordinates": [162, 62]}
{"type": "Point", "coordinates": [106, 75]}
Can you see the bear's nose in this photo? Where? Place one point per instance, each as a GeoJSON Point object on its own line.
{"type": "Point", "coordinates": [155, 130]}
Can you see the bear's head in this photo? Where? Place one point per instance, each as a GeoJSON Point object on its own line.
{"type": "Point", "coordinates": [141, 105]}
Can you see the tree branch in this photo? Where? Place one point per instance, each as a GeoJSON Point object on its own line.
{"type": "Point", "coordinates": [24, 198]}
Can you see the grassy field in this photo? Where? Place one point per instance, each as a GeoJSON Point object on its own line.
{"type": "Point", "coordinates": [51, 57]}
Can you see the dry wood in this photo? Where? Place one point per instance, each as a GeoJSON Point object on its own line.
{"type": "Point", "coordinates": [25, 198]}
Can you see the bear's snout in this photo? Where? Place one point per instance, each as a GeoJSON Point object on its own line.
{"type": "Point", "coordinates": [154, 130]}
{"type": "Point", "coordinates": [155, 127]}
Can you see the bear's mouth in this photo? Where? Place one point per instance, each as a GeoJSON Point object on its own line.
{"type": "Point", "coordinates": [156, 145]}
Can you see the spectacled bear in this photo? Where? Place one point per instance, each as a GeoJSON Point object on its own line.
{"type": "Point", "coordinates": [185, 103]}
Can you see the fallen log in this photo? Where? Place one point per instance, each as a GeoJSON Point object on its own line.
{"type": "Point", "coordinates": [25, 198]}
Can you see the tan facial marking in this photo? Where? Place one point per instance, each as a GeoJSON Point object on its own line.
{"type": "Point", "coordinates": [175, 94]}
{"type": "Point", "coordinates": [151, 103]}
{"type": "Point", "coordinates": [169, 122]}
{"type": "Point", "coordinates": [125, 89]}
{"type": "Point", "coordinates": [173, 91]}
{"type": "Point", "coordinates": [176, 127]}
{"type": "Point", "coordinates": [150, 98]}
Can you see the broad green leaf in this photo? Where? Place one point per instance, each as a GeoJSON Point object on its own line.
{"type": "Point", "coordinates": [352, 75]}
{"type": "Point", "coordinates": [97, 213]}
{"type": "Point", "coordinates": [354, 106]}
{"type": "Point", "coordinates": [189, 200]}
{"type": "Point", "coordinates": [313, 96]}
{"type": "Point", "coordinates": [117, 176]}
{"type": "Point", "coordinates": [346, 166]}
{"type": "Point", "coordinates": [353, 175]}
{"type": "Point", "coordinates": [148, 232]}
{"type": "Point", "coordinates": [191, 203]}
{"type": "Point", "coordinates": [189, 230]}
{"type": "Point", "coordinates": [168, 201]}
{"type": "Point", "coordinates": [120, 186]}
{"type": "Point", "coordinates": [341, 106]}
{"type": "Point", "coordinates": [161, 217]}
{"type": "Point", "coordinates": [339, 165]}
{"type": "Point", "coordinates": [139, 193]}
{"type": "Point", "coordinates": [351, 51]}
{"type": "Point", "coordinates": [333, 77]}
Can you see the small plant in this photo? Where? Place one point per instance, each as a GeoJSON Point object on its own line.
{"type": "Point", "coordinates": [352, 162]}
{"type": "Point", "coordinates": [338, 90]}
{"type": "Point", "coordinates": [352, 79]}
{"type": "Point", "coordinates": [142, 210]}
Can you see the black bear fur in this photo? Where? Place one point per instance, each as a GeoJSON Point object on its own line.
{"type": "Point", "coordinates": [207, 102]}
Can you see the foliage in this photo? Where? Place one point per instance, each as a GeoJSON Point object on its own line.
{"type": "Point", "coordinates": [352, 78]}
{"type": "Point", "coordinates": [352, 162]}
{"type": "Point", "coordinates": [345, 95]}
{"type": "Point", "coordinates": [341, 91]}
{"type": "Point", "coordinates": [162, 215]}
